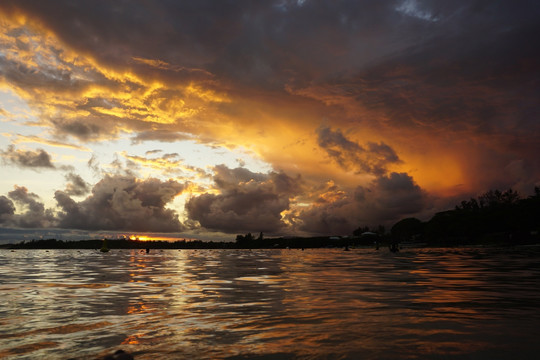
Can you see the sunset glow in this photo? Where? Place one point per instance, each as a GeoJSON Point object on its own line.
{"type": "Point", "coordinates": [152, 238]}
{"type": "Point", "coordinates": [292, 118]}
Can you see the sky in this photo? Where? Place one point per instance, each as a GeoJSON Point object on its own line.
{"type": "Point", "coordinates": [208, 119]}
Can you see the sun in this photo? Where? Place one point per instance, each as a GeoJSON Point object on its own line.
{"type": "Point", "coordinates": [152, 238]}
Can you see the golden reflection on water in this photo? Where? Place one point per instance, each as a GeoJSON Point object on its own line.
{"type": "Point", "coordinates": [313, 304]}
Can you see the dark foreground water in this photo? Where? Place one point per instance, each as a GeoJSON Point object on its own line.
{"type": "Point", "coordinates": [467, 303]}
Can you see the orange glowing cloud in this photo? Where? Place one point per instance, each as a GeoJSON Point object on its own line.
{"type": "Point", "coordinates": [77, 96]}
{"type": "Point", "coordinates": [343, 115]}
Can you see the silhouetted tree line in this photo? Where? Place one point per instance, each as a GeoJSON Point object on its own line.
{"type": "Point", "coordinates": [365, 229]}
{"type": "Point", "coordinates": [494, 217]}
{"type": "Point", "coordinates": [248, 241]}
{"type": "Point", "coordinates": [119, 244]}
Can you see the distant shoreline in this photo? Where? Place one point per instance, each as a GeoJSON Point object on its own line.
{"type": "Point", "coordinates": [271, 243]}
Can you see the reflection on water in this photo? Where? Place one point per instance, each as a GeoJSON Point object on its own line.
{"type": "Point", "coordinates": [271, 304]}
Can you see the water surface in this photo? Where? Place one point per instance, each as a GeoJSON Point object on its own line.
{"type": "Point", "coordinates": [471, 303]}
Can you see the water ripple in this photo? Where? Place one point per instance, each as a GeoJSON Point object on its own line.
{"type": "Point", "coordinates": [282, 304]}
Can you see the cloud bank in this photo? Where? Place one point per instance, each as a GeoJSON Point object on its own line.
{"type": "Point", "coordinates": [122, 203]}
{"type": "Point", "coordinates": [246, 201]}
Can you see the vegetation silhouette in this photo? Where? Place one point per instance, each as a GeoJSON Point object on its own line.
{"type": "Point", "coordinates": [495, 217]}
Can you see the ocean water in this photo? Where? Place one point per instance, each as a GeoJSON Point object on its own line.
{"type": "Point", "coordinates": [459, 303]}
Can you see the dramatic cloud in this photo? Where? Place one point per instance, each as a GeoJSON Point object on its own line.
{"type": "Point", "coordinates": [385, 201]}
{"type": "Point", "coordinates": [373, 159]}
{"type": "Point", "coordinates": [76, 186]}
{"type": "Point", "coordinates": [246, 202]}
{"type": "Point", "coordinates": [33, 214]}
{"type": "Point", "coordinates": [423, 103]}
{"type": "Point", "coordinates": [27, 158]}
{"type": "Point", "coordinates": [123, 203]}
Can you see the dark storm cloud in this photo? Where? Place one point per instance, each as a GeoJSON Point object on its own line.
{"type": "Point", "coordinates": [165, 36]}
{"type": "Point", "coordinates": [398, 195]}
{"type": "Point", "coordinates": [460, 65]}
{"type": "Point", "coordinates": [35, 215]}
{"type": "Point", "coordinates": [268, 41]}
{"type": "Point", "coordinates": [27, 158]}
{"type": "Point", "coordinates": [372, 159]}
{"type": "Point", "coordinates": [471, 71]}
{"type": "Point", "coordinates": [123, 203]}
{"type": "Point", "coordinates": [248, 202]}
{"type": "Point", "coordinates": [301, 43]}
{"type": "Point", "coordinates": [387, 200]}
